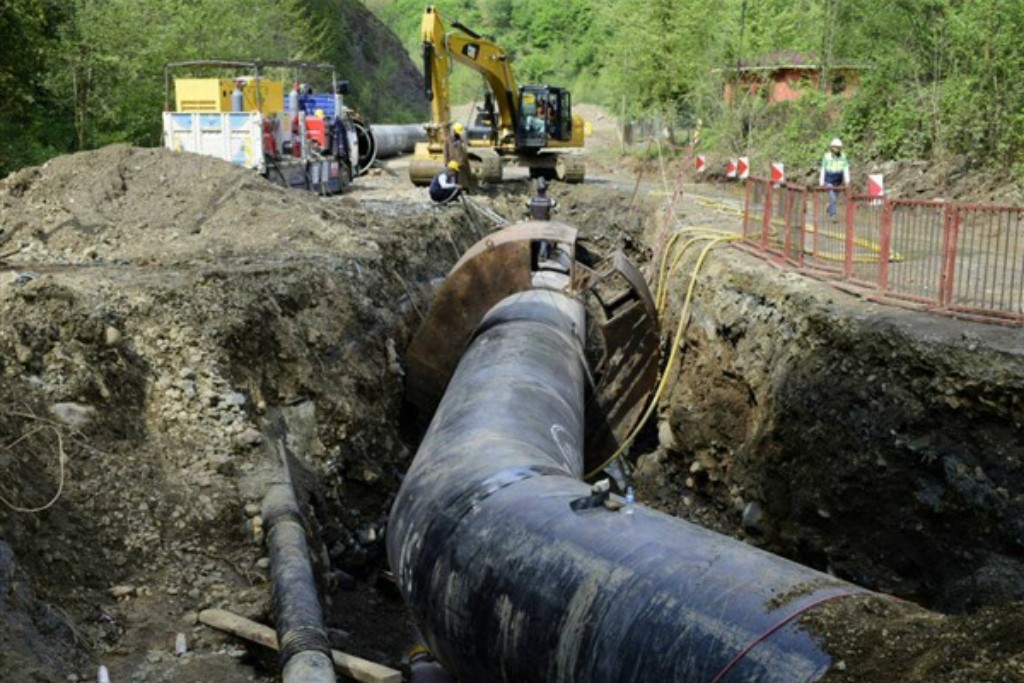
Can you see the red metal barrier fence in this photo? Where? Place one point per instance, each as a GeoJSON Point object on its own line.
{"type": "Point", "coordinates": [962, 260]}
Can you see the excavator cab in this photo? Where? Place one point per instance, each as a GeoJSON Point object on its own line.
{"type": "Point", "coordinates": [545, 114]}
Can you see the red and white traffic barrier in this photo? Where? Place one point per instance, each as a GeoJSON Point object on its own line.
{"type": "Point", "coordinates": [876, 186]}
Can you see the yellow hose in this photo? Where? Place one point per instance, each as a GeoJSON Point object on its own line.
{"type": "Point", "coordinates": [661, 301]}
{"type": "Point", "coordinates": [715, 236]}
{"type": "Point", "coordinates": [673, 355]}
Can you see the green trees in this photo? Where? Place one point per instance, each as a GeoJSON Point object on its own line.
{"type": "Point", "coordinates": [939, 77]}
{"type": "Point", "coordinates": [83, 73]}
{"type": "Point", "coordinates": [34, 122]}
{"type": "Point", "coordinates": [111, 55]}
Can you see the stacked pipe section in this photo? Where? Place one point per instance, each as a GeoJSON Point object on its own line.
{"type": "Point", "coordinates": [385, 141]}
{"type": "Point", "coordinates": [516, 570]}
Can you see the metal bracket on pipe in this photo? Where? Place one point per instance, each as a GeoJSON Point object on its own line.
{"type": "Point", "coordinates": [600, 494]}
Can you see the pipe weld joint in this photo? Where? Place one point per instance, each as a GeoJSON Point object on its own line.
{"type": "Point", "coordinates": [303, 639]}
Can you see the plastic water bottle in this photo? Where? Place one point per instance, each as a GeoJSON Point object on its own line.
{"type": "Point", "coordinates": [180, 645]}
{"type": "Point", "coordinates": [630, 501]}
{"type": "Point", "coordinates": [103, 676]}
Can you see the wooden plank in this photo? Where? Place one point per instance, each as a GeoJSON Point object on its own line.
{"type": "Point", "coordinates": [354, 667]}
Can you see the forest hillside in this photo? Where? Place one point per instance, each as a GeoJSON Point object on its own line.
{"type": "Point", "coordinates": [935, 79]}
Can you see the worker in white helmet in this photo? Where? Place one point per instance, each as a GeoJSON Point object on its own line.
{"type": "Point", "coordinates": [835, 174]}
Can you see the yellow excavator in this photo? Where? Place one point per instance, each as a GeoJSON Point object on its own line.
{"type": "Point", "coordinates": [530, 125]}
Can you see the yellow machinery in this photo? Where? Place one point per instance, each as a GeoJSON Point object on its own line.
{"type": "Point", "coordinates": [306, 139]}
{"type": "Point", "coordinates": [528, 124]}
{"type": "Point", "coordinates": [215, 94]}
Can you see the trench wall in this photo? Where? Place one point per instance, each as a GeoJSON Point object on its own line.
{"type": "Point", "coordinates": [880, 444]}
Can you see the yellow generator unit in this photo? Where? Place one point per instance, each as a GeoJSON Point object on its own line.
{"type": "Point", "coordinates": [214, 95]}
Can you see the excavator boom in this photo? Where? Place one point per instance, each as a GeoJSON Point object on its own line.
{"type": "Point", "coordinates": [526, 120]}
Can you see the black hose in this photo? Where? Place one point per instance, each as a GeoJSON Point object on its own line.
{"type": "Point", "coordinates": [367, 148]}
{"type": "Point", "coordinates": [305, 651]}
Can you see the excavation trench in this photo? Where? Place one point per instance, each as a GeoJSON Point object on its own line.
{"type": "Point", "coordinates": [880, 445]}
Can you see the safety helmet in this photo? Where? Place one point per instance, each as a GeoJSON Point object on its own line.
{"type": "Point", "coordinates": [319, 113]}
{"type": "Point", "coordinates": [459, 128]}
{"type": "Point", "coordinates": [836, 142]}
{"type": "Point", "coordinates": [454, 165]}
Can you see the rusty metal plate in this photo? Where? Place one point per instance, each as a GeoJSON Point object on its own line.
{"type": "Point", "coordinates": [495, 267]}
{"type": "Point", "coordinates": [627, 371]}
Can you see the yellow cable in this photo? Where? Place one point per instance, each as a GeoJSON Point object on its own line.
{"type": "Point", "coordinates": [624, 446]}
{"type": "Point", "coordinates": [663, 271]}
{"type": "Point", "coordinates": [662, 301]}
{"type": "Point", "coordinates": [714, 236]}
{"type": "Point", "coordinates": [703, 232]}
{"type": "Point", "coordinates": [664, 260]}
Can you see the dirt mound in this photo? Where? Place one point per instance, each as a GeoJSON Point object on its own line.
{"type": "Point", "coordinates": [158, 307]}
{"type": "Point", "coordinates": [140, 205]}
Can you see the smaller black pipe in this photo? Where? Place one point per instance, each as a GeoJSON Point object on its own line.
{"type": "Point", "coordinates": [305, 651]}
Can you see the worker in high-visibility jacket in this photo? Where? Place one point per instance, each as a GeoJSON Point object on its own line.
{"type": "Point", "coordinates": [835, 173]}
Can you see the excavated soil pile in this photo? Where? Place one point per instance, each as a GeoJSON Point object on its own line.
{"type": "Point", "coordinates": [157, 307]}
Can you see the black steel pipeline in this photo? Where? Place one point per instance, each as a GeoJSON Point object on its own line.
{"type": "Point", "coordinates": [509, 583]}
{"type": "Point", "coordinates": [305, 651]}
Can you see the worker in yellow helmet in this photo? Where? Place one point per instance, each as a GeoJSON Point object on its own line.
{"type": "Point", "coordinates": [445, 188]}
{"type": "Point", "coordinates": [455, 150]}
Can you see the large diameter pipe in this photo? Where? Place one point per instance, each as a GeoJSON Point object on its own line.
{"type": "Point", "coordinates": [385, 141]}
{"type": "Point", "coordinates": [392, 140]}
{"type": "Point", "coordinates": [510, 583]}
